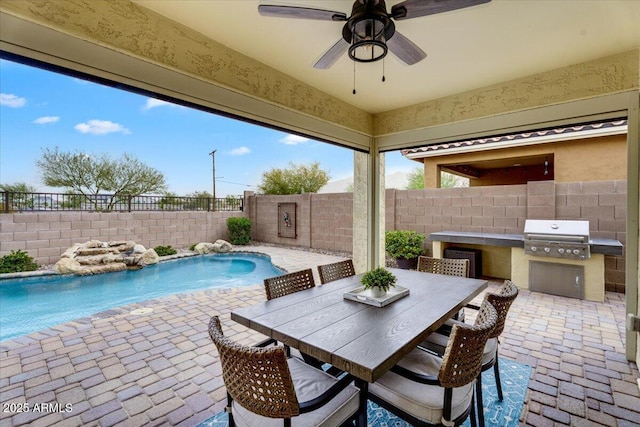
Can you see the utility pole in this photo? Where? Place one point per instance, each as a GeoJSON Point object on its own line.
{"type": "Point", "coordinates": [213, 160]}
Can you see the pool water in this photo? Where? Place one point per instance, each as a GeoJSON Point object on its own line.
{"type": "Point", "coordinates": [31, 304]}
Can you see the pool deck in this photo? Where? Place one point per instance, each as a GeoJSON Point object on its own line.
{"type": "Point", "coordinates": [161, 368]}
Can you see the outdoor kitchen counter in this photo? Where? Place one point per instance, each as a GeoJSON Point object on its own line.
{"type": "Point", "coordinates": [503, 256]}
{"type": "Point", "coordinates": [598, 246]}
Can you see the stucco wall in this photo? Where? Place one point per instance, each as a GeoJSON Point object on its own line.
{"type": "Point", "coordinates": [591, 159]}
{"type": "Point", "coordinates": [45, 236]}
{"type": "Point", "coordinates": [611, 74]}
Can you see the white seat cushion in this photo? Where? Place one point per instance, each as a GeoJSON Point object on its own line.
{"type": "Point", "coordinates": [423, 401]}
{"type": "Point", "coordinates": [490, 351]}
{"type": "Point", "coordinates": [309, 383]}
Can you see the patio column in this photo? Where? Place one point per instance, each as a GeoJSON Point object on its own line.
{"type": "Point", "coordinates": [632, 258]}
{"type": "Point", "coordinates": [368, 210]}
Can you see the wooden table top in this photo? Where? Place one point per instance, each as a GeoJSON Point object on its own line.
{"type": "Point", "coordinates": [361, 339]}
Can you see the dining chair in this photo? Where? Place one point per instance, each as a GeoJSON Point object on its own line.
{"type": "Point", "coordinates": [447, 266]}
{"type": "Point", "coordinates": [266, 388]}
{"type": "Point", "coordinates": [426, 389]}
{"type": "Point", "coordinates": [285, 284]}
{"type": "Point", "coordinates": [501, 301]}
{"type": "Point", "coordinates": [289, 283]}
{"type": "Point", "coordinates": [337, 270]}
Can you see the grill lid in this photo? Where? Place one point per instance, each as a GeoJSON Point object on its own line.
{"type": "Point", "coordinates": [559, 230]}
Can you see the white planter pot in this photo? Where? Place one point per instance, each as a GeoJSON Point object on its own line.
{"type": "Point", "coordinates": [376, 292]}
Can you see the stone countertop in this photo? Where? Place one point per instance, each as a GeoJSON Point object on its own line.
{"type": "Point", "coordinates": [598, 246]}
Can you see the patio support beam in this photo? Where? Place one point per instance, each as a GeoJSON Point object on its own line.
{"type": "Point", "coordinates": [368, 210]}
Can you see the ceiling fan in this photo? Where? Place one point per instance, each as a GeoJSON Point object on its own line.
{"type": "Point", "coordinates": [369, 33]}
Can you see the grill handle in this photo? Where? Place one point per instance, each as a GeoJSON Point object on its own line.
{"type": "Point", "coordinates": [558, 237]}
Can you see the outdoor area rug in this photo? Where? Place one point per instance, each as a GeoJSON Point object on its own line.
{"type": "Point", "coordinates": [515, 379]}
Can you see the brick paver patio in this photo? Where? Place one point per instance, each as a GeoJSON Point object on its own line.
{"type": "Point", "coordinates": [153, 363]}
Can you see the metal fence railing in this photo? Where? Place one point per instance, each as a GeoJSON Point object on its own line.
{"type": "Point", "coordinates": [38, 202]}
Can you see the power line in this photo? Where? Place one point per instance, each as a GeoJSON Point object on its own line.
{"type": "Point", "coordinates": [236, 183]}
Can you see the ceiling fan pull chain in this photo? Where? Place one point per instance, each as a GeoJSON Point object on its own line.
{"type": "Point", "coordinates": [354, 77]}
{"type": "Point", "coordinates": [383, 78]}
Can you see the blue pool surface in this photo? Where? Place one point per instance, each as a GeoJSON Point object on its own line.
{"type": "Point", "coordinates": [32, 304]}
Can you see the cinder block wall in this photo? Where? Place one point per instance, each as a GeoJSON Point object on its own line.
{"type": "Point", "coordinates": [325, 221]}
{"type": "Point", "coordinates": [604, 205]}
{"type": "Point", "coordinates": [45, 236]}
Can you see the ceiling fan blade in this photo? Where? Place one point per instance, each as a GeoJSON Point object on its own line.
{"type": "Point", "coordinates": [406, 50]}
{"type": "Point", "coordinates": [300, 12]}
{"type": "Point", "coordinates": [332, 55]}
{"type": "Point", "coordinates": [416, 8]}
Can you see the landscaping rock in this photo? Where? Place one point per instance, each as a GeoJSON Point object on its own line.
{"type": "Point", "coordinates": [204, 248]}
{"type": "Point", "coordinates": [95, 257]}
{"type": "Point", "coordinates": [149, 257]}
{"type": "Point", "coordinates": [67, 266]}
{"type": "Point", "coordinates": [222, 246]}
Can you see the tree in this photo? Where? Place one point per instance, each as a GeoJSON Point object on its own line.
{"type": "Point", "coordinates": [200, 200]}
{"type": "Point", "coordinates": [447, 180]}
{"type": "Point", "coordinates": [170, 201]}
{"type": "Point", "coordinates": [21, 197]}
{"type": "Point", "coordinates": [90, 175]}
{"type": "Point", "coordinates": [294, 180]}
{"type": "Point", "coordinates": [415, 179]}
{"type": "Point", "coordinates": [18, 187]}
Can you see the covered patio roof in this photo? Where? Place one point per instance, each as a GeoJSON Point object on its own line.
{"type": "Point", "coordinates": [493, 69]}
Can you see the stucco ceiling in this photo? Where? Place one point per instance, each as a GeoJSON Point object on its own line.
{"type": "Point", "coordinates": [467, 49]}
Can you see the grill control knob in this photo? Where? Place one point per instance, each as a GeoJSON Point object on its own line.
{"type": "Point", "coordinates": [533, 249]}
{"type": "Point", "coordinates": [547, 250]}
{"type": "Point", "coordinates": [560, 250]}
{"type": "Point", "coordinates": [576, 251]}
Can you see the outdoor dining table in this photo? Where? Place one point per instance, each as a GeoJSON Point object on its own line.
{"type": "Point", "coordinates": [359, 338]}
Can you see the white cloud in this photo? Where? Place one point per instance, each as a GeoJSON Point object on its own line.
{"type": "Point", "coordinates": [240, 151]}
{"type": "Point", "coordinates": [294, 139]}
{"type": "Point", "coordinates": [100, 127]}
{"type": "Point", "coordinates": [153, 103]}
{"type": "Point", "coordinates": [46, 119]}
{"type": "Point", "coordinates": [11, 100]}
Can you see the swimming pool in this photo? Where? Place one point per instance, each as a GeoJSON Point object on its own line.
{"type": "Point", "coordinates": [32, 304]}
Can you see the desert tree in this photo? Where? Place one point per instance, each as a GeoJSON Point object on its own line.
{"type": "Point", "coordinates": [296, 179]}
{"type": "Point", "coordinates": [99, 178]}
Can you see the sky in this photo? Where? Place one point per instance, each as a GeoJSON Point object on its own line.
{"type": "Point", "coordinates": [41, 109]}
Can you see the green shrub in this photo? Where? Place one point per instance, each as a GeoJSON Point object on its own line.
{"type": "Point", "coordinates": [239, 230]}
{"type": "Point", "coordinates": [379, 277]}
{"type": "Point", "coordinates": [16, 262]}
{"type": "Point", "coordinates": [165, 250]}
{"type": "Point", "coordinates": [192, 247]}
{"type": "Point", "coordinates": [403, 244]}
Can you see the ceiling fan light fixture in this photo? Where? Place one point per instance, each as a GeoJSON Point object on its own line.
{"type": "Point", "coordinates": [368, 41]}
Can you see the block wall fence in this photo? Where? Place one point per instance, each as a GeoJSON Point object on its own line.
{"type": "Point", "coordinates": [46, 235]}
{"type": "Point", "coordinates": [324, 221]}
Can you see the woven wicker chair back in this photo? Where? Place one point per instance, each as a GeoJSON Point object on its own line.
{"type": "Point", "coordinates": [502, 302]}
{"type": "Point", "coordinates": [337, 270]}
{"type": "Point", "coordinates": [286, 284]}
{"type": "Point", "coordinates": [448, 266]}
{"type": "Point", "coordinates": [257, 378]}
{"type": "Point", "coordinates": [462, 360]}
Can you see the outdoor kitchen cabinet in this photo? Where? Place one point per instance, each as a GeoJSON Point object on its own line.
{"type": "Point", "coordinates": [511, 250]}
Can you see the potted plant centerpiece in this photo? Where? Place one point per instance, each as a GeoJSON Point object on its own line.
{"type": "Point", "coordinates": [378, 280]}
{"type": "Point", "coordinates": [404, 246]}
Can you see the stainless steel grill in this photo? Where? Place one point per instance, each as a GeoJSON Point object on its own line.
{"type": "Point", "coordinates": [559, 239]}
